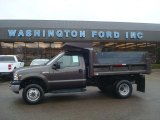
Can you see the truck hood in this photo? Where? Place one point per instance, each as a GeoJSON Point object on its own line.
{"type": "Point", "coordinates": [32, 69]}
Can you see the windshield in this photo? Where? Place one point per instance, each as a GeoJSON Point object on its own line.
{"type": "Point", "coordinates": [7, 59]}
{"type": "Point", "coordinates": [54, 58]}
{"type": "Point", "coordinates": [39, 61]}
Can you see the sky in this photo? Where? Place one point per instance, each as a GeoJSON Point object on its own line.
{"type": "Point", "coordinates": [142, 11]}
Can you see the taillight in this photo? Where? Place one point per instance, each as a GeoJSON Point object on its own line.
{"type": "Point", "coordinates": [9, 67]}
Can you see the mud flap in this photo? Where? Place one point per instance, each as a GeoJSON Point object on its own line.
{"type": "Point", "coordinates": [141, 83]}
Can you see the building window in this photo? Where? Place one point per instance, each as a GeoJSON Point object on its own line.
{"type": "Point", "coordinates": [32, 52]}
{"type": "Point", "coordinates": [158, 53]}
{"type": "Point", "coordinates": [55, 48]}
{"type": "Point", "coordinates": [45, 50]}
{"type": "Point", "coordinates": [151, 48]}
{"type": "Point", "coordinates": [120, 46]}
{"type": "Point", "coordinates": [109, 46]}
{"type": "Point", "coordinates": [7, 48]}
{"type": "Point", "coordinates": [19, 49]}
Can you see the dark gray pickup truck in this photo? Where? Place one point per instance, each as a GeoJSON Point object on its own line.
{"type": "Point", "coordinates": [78, 67]}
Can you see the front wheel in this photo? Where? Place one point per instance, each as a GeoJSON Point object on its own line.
{"type": "Point", "coordinates": [123, 89]}
{"type": "Point", "coordinates": [33, 94]}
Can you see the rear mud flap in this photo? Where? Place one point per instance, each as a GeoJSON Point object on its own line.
{"type": "Point", "coordinates": [141, 84]}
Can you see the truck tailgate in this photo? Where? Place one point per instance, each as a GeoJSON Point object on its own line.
{"type": "Point", "coordinates": [6, 67]}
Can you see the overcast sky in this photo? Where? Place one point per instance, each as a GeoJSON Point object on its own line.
{"type": "Point", "coordinates": [144, 11]}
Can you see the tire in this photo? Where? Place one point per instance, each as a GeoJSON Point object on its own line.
{"type": "Point", "coordinates": [123, 89]}
{"type": "Point", "coordinates": [33, 94]}
{"type": "Point", "coordinates": [102, 89]}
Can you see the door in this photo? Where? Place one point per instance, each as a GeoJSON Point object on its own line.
{"type": "Point", "coordinates": [71, 73]}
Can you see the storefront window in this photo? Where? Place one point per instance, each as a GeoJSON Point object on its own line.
{"type": "Point", "coordinates": [55, 48]}
{"type": "Point", "coordinates": [109, 46]}
{"type": "Point", "coordinates": [158, 53]}
{"type": "Point", "coordinates": [19, 49]}
{"type": "Point", "coordinates": [44, 50]}
{"type": "Point", "coordinates": [141, 46]}
{"type": "Point", "coordinates": [117, 46]}
{"type": "Point", "coordinates": [151, 48]}
{"type": "Point", "coordinates": [32, 52]}
{"type": "Point", "coordinates": [97, 46]}
{"type": "Point", "coordinates": [6, 48]}
{"type": "Point", "coordinates": [120, 46]}
{"type": "Point", "coordinates": [131, 46]}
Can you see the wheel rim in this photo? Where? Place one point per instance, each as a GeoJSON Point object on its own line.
{"type": "Point", "coordinates": [33, 94]}
{"type": "Point", "coordinates": [124, 89]}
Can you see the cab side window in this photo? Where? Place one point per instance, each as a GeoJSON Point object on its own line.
{"type": "Point", "coordinates": [69, 61]}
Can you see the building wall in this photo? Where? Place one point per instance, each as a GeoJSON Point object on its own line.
{"type": "Point", "coordinates": [32, 39]}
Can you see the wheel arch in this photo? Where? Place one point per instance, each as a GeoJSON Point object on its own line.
{"type": "Point", "coordinates": [34, 80]}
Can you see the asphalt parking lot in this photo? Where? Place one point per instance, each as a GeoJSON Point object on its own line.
{"type": "Point", "coordinates": [90, 105]}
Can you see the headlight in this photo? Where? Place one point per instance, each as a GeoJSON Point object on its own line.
{"type": "Point", "coordinates": [17, 77]}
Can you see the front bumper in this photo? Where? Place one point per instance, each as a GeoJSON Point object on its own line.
{"type": "Point", "coordinates": [15, 86]}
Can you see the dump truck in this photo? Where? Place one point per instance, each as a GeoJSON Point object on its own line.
{"type": "Point", "coordinates": [79, 66]}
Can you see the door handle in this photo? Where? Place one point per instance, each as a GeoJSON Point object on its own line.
{"type": "Point", "coordinates": [80, 70]}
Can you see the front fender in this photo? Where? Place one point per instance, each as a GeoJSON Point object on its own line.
{"type": "Point", "coordinates": [35, 76]}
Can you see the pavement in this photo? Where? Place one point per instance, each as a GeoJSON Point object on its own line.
{"type": "Point", "coordinates": [89, 105]}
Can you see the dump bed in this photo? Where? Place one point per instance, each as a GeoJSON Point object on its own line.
{"type": "Point", "coordinates": [111, 63]}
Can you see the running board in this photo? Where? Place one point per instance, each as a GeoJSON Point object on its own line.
{"type": "Point", "coordinates": [69, 90]}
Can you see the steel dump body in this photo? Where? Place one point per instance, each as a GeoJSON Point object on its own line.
{"type": "Point", "coordinates": [111, 63]}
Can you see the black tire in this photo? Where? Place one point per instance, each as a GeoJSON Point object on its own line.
{"type": "Point", "coordinates": [102, 89]}
{"type": "Point", "coordinates": [33, 94]}
{"type": "Point", "coordinates": [123, 89]}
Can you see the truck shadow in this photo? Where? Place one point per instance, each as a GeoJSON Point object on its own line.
{"type": "Point", "coordinates": [87, 96]}
{"type": "Point", "coordinates": [91, 96]}
{"type": "Point", "coordinates": [71, 100]}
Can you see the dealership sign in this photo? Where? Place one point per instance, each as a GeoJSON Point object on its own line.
{"type": "Point", "coordinates": [66, 33]}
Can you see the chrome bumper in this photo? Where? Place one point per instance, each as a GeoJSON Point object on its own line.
{"type": "Point", "coordinates": [15, 88]}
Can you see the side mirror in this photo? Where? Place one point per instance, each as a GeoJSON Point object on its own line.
{"type": "Point", "coordinates": [56, 66]}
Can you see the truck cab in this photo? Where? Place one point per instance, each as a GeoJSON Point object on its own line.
{"type": "Point", "coordinates": [67, 71]}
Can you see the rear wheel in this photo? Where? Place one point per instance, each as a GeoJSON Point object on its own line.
{"type": "Point", "coordinates": [33, 94]}
{"type": "Point", "coordinates": [123, 89]}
